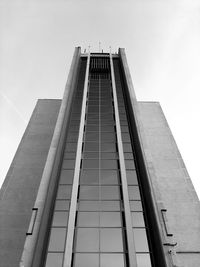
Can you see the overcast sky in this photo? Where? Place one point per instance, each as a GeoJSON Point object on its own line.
{"type": "Point", "coordinates": [162, 43]}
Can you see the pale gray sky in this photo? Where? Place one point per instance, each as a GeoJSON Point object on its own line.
{"type": "Point", "coordinates": [161, 38]}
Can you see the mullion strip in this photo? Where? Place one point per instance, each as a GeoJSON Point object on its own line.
{"type": "Point", "coordinates": [129, 231]}
{"type": "Point", "coordinates": [72, 211]}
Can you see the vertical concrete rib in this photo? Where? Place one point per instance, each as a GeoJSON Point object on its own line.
{"type": "Point", "coordinates": [129, 231]}
{"type": "Point", "coordinates": [30, 245]}
{"type": "Point", "coordinates": [72, 211]}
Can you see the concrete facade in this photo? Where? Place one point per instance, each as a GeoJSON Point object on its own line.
{"type": "Point", "coordinates": [176, 199]}
{"type": "Point", "coordinates": [19, 190]}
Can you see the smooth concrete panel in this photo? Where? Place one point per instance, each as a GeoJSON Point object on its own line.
{"type": "Point", "coordinates": [19, 190]}
{"type": "Point", "coordinates": [172, 186]}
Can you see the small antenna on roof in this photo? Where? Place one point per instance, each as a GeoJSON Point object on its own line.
{"type": "Point", "coordinates": [110, 49]}
{"type": "Point", "coordinates": [88, 48]}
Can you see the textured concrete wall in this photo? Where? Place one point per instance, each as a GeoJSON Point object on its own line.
{"type": "Point", "coordinates": [172, 186]}
{"type": "Point", "coordinates": [19, 190]}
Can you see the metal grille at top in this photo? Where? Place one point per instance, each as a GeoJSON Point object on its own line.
{"type": "Point", "coordinates": [100, 64]}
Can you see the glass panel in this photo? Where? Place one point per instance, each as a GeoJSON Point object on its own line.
{"type": "Point", "coordinates": [110, 192]}
{"type": "Point", "coordinates": [89, 205]}
{"type": "Point", "coordinates": [92, 128]}
{"type": "Point", "coordinates": [108, 147]}
{"type": "Point", "coordinates": [137, 219]}
{"type": "Point", "coordinates": [133, 192]}
{"type": "Point", "coordinates": [66, 177]}
{"type": "Point", "coordinates": [128, 155]}
{"type": "Point", "coordinates": [129, 164]}
{"type": "Point", "coordinates": [86, 260]}
{"type": "Point", "coordinates": [62, 205]}
{"type": "Point", "coordinates": [112, 260]}
{"type": "Point", "coordinates": [92, 136]}
{"type": "Point", "coordinates": [109, 177]}
{"type": "Point", "coordinates": [71, 146]}
{"type": "Point", "coordinates": [57, 239]}
{"type": "Point", "coordinates": [127, 147]}
{"type": "Point", "coordinates": [60, 218]}
{"type": "Point", "coordinates": [91, 155]}
{"type": "Point", "coordinates": [89, 177]}
{"type": "Point", "coordinates": [109, 155]}
{"type": "Point", "coordinates": [108, 137]}
{"type": "Point", "coordinates": [91, 146]}
{"type": "Point", "coordinates": [126, 137]}
{"type": "Point", "coordinates": [88, 219]}
{"type": "Point", "coordinates": [87, 240]}
{"type": "Point", "coordinates": [68, 164]}
{"type": "Point", "coordinates": [110, 219]}
{"type": "Point", "coordinates": [111, 240]}
{"type": "Point", "coordinates": [89, 192]}
{"type": "Point", "coordinates": [131, 177]}
{"type": "Point", "coordinates": [136, 206]}
{"type": "Point", "coordinates": [70, 155]}
{"type": "Point", "coordinates": [90, 163]}
{"type": "Point", "coordinates": [109, 164]}
{"type": "Point", "coordinates": [108, 128]}
{"type": "Point", "coordinates": [110, 205]}
{"type": "Point", "coordinates": [64, 192]}
{"type": "Point", "coordinates": [143, 260]}
{"type": "Point", "coordinates": [54, 259]}
{"type": "Point", "coordinates": [140, 239]}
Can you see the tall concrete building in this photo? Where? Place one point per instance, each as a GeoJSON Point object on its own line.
{"type": "Point", "coordinates": [97, 180]}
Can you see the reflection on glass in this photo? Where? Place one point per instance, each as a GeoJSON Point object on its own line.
{"type": "Point", "coordinates": [143, 260]}
{"type": "Point", "coordinates": [87, 240]}
{"type": "Point", "coordinates": [136, 206]}
{"type": "Point", "coordinates": [131, 176]}
{"type": "Point", "coordinates": [129, 164]}
{"type": "Point", "coordinates": [64, 192]}
{"type": "Point", "coordinates": [57, 239]}
{"type": "Point", "coordinates": [140, 239]}
{"type": "Point", "coordinates": [86, 260]}
{"type": "Point", "coordinates": [112, 260]}
{"type": "Point", "coordinates": [111, 240]}
{"type": "Point", "coordinates": [54, 259]}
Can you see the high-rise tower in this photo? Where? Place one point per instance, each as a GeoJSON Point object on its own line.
{"type": "Point", "coordinates": [98, 180]}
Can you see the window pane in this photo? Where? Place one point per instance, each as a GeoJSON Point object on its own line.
{"type": "Point", "coordinates": [109, 164]}
{"type": "Point", "coordinates": [91, 146]}
{"type": "Point", "coordinates": [70, 155]}
{"type": "Point", "coordinates": [89, 205]}
{"type": "Point", "coordinates": [64, 192]}
{"type": "Point", "coordinates": [108, 137]}
{"type": "Point", "coordinates": [129, 164]}
{"type": "Point", "coordinates": [92, 136]}
{"type": "Point", "coordinates": [126, 137]}
{"type": "Point", "coordinates": [133, 192]}
{"type": "Point", "coordinates": [62, 205]}
{"type": "Point", "coordinates": [128, 155]}
{"type": "Point", "coordinates": [86, 260]}
{"type": "Point", "coordinates": [112, 260]}
{"type": "Point", "coordinates": [109, 155]}
{"type": "Point", "coordinates": [71, 147]}
{"type": "Point", "coordinates": [108, 147]}
{"type": "Point", "coordinates": [57, 239]}
{"type": "Point", "coordinates": [87, 240]}
{"type": "Point", "coordinates": [136, 206]}
{"type": "Point", "coordinates": [88, 219]}
{"type": "Point", "coordinates": [68, 164]}
{"type": "Point", "coordinates": [54, 259]}
{"type": "Point", "coordinates": [90, 163]}
{"type": "Point", "coordinates": [109, 177]}
{"type": "Point", "coordinates": [89, 192]}
{"type": "Point", "coordinates": [91, 155]}
{"type": "Point", "coordinates": [60, 218]}
{"type": "Point", "coordinates": [143, 260]}
{"type": "Point", "coordinates": [110, 205]}
{"type": "Point", "coordinates": [111, 240]}
{"type": "Point", "coordinates": [140, 239]}
{"type": "Point", "coordinates": [110, 192]}
{"type": "Point", "coordinates": [66, 177]}
{"type": "Point", "coordinates": [131, 177]}
{"type": "Point", "coordinates": [127, 147]}
{"type": "Point", "coordinates": [137, 219]}
{"type": "Point", "coordinates": [110, 219]}
{"type": "Point", "coordinates": [89, 177]}
{"type": "Point", "coordinates": [108, 128]}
